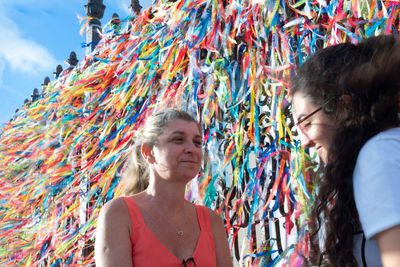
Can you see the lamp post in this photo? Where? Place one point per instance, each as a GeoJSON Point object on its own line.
{"type": "Point", "coordinates": [72, 61]}
{"type": "Point", "coordinates": [115, 23]}
{"type": "Point", "coordinates": [46, 82]}
{"type": "Point", "coordinates": [58, 71]}
{"type": "Point", "coordinates": [95, 10]}
{"type": "Point", "coordinates": [135, 6]}
{"type": "Point", "coordinates": [35, 95]}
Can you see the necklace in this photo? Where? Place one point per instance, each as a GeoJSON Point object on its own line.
{"type": "Point", "coordinates": [178, 232]}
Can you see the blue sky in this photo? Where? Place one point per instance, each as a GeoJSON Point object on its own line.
{"type": "Point", "coordinates": [36, 36]}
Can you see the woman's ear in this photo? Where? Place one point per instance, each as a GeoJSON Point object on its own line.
{"type": "Point", "coordinates": [346, 99]}
{"type": "Point", "coordinates": [147, 152]}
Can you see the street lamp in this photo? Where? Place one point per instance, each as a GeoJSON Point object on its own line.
{"type": "Point", "coordinates": [135, 6]}
{"type": "Point", "coordinates": [95, 10]}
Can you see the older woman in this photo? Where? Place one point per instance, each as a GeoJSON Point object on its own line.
{"type": "Point", "coordinates": [155, 225]}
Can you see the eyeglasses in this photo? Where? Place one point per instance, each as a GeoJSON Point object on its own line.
{"type": "Point", "coordinates": [315, 111]}
{"type": "Point", "coordinates": [185, 263]}
{"type": "Point", "coordinates": [308, 116]}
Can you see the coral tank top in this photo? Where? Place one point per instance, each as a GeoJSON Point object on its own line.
{"type": "Point", "coordinates": [147, 250]}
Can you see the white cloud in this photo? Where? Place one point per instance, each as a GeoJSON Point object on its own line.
{"type": "Point", "coordinates": [20, 53]}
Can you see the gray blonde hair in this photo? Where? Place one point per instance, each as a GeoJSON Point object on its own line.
{"type": "Point", "coordinates": [135, 176]}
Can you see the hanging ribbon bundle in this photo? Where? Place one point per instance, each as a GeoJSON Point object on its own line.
{"type": "Point", "coordinates": [227, 62]}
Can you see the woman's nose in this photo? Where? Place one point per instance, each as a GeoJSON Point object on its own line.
{"type": "Point", "coordinates": [189, 147]}
{"type": "Point", "coordinates": [306, 141]}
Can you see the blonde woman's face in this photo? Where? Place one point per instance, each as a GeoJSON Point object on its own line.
{"type": "Point", "coordinates": [178, 153]}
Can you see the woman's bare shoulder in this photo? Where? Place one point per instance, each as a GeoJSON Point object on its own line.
{"type": "Point", "coordinates": [214, 216]}
{"type": "Point", "coordinates": [115, 210]}
{"type": "Point", "coordinates": [220, 238]}
{"type": "Point", "coordinates": [113, 244]}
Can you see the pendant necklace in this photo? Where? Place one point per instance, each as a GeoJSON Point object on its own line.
{"type": "Point", "coordinates": [178, 232]}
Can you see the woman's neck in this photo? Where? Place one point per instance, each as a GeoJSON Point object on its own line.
{"type": "Point", "coordinates": [166, 195]}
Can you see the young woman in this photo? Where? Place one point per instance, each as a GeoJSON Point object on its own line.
{"type": "Point", "coordinates": [155, 225]}
{"type": "Point", "coordinates": [346, 102]}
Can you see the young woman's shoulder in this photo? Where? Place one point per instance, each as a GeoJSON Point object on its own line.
{"type": "Point", "coordinates": [392, 134]}
{"type": "Point", "coordinates": [385, 143]}
{"type": "Point", "coordinates": [376, 183]}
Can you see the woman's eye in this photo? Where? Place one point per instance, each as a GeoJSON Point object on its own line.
{"type": "Point", "coordinates": [178, 139]}
{"type": "Point", "coordinates": [197, 143]}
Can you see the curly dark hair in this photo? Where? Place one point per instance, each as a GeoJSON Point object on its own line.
{"type": "Point", "coordinates": [363, 82]}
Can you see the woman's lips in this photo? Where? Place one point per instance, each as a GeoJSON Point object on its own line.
{"type": "Point", "coordinates": [189, 161]}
